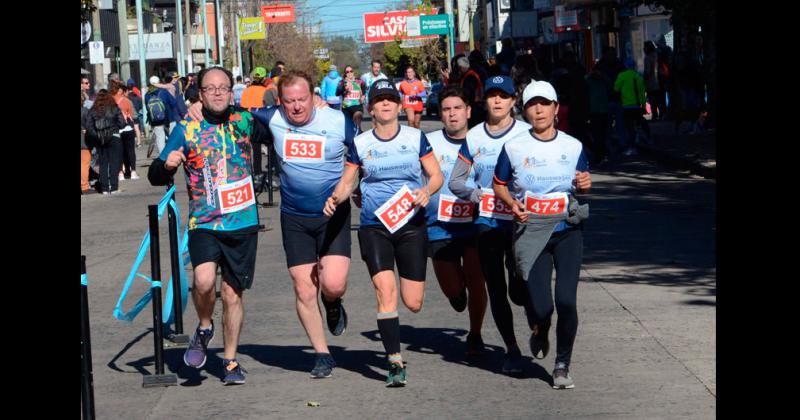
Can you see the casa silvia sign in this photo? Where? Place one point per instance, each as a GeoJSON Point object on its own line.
{"type": "Point", "coordinates": [387, 26]}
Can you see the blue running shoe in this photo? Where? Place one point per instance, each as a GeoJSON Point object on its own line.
{"type": "Point", "coordinates": [397, 376]}
{"type": "Point", "coordinates": [234, 373]}
{"type": "Point", "coordinates": [195, 355]}
{"type": "Point", "coordinates": [323, 366]}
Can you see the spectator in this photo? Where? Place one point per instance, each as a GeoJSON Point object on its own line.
{"type": "Point", "coordinates": [507, 57]}
{"type": "Point", "coordinates": [631, 87]}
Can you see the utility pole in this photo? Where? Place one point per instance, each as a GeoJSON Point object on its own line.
{"type": "Point", "coordinates": [484, 28]}
{"type": "Point", "coordinates": [97, 36]}
{"type": "Point", "coordinates": [124, 54]}
{"type": "Point", "coordinates": [188, 34]}
{"type": "Point", "coordinates": [142, 58]}
{"type": "Point", "coordinates": [181, 51]}
{"type": "Point", "coordinates": [448, 9]}
{"type": "Point", "coordinates": [205, 32]}
{"type": "Point", "coordinates": [471, 12]}
{"type": "Point", "coordinates": [218, 31]}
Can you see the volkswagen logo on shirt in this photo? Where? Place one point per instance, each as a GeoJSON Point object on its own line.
{"type": "Point", "coordinates": [563, 160]}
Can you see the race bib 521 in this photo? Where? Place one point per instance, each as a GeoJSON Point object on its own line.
{"type": "Point", "coordinates": [454, 210]}
{"type": "Point", "coordinates": [303, 148]}
{"type": "Point", "coordinates": [398, 210]}
{"type": "Point", "coordinates": [493, 207]}
{"type": "Point", "coordinates": [546, 204]}
{"type": "Point", "coordinates": [236, 195]}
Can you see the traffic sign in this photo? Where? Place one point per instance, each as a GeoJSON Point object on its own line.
{"type": "Point", "coordinates": [433, 25]}
{"type": "Point", "coordinates": [96, 52]}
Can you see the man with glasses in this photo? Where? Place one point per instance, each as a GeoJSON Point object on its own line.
{"type": "Point", "coordinates": [352, 92]}
{"type": "Point", "coordinates": [216, 155]}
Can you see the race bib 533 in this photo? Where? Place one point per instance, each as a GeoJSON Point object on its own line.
{"type": "Point", "coordinates": [303, 148]}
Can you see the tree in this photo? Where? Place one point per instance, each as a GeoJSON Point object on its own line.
{"type": "Point", "coordinates": [425, 58]}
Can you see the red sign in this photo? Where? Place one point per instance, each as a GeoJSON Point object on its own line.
{"type": "Point", "coordinates": [397, 213]}
{"type": "Point", "coordinates": [384, 27]}
{"type": "Point", "coordinates": [281, 13]}
{"type": "Point", "coordinates": [236, 195]}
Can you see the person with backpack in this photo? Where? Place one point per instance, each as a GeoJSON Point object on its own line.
{"type": "Point", "coordinates": [103, 123]}
{"type": "Point", "coordinates": [157, 100]}
{"type": "Point", "coordinates": [129, 133]}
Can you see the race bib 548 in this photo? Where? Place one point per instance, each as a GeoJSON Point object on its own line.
{"type": "Point", "coordinates": [398, 210]}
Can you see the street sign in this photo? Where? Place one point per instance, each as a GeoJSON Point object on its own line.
{"type": "Point", "coordinates": [384, 27]}
{"type": "Point", "coordinates": [279, 13]}
{"type": "Point", "coordinates": [566, 20]}
{"type": "Point", "coordinates": [156, 45]}
{"type": "Point", "coordinates": [96, 52]}
{"type": "Point", "coordinates": [252, 28]}
{"type": "Point", "coordinates": [413, 26]}
{"type": "Point", "coordinates": [433, 24]}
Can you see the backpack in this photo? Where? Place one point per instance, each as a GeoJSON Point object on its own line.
{"type": "Point", "coordinates": [105, 128]}
{"type": "Point", "coordinates": [156, 109]}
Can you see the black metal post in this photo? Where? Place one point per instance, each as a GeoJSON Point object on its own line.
{"type": "Point", "coordinates": [178, 338]}
{"type": "Point", "coordinates": [87, 378]}
{"type": "Point", "coordinates": [159, 379]}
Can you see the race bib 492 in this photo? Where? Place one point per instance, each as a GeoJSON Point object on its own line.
{"type": "Point", "coordinates": [454, 210]}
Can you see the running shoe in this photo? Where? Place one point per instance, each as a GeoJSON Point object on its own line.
{"type": "Point", "coordinates": [234, 373]}
{"type": "Point", "coordinates": [513, 362]}
{"type": "Point", "coordinates": [134, 175]}
{"type": "Point", "coordinates": [121, 176]}
{"type": "Point", "coordinates": [397, 376]}
{"type": "Point", "coordinates": [459, 303]}
{"type": "Point", "coordinates": [562, 378]}
{"type": "Point", "coordinates": [475, 345]}
{"type": "Point", "coordinates": [195, 355]}
{"type": "Point", "coordinates": [539, 343]}
{"type": "Point", "coordinates": [323, 366]}
{"type": "Point", "coordinates": [335, 316]}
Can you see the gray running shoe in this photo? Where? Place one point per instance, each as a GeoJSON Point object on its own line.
{"type": "Point", "coordinates": [323, 366]}
{"type": "Point", "coordinates": [561, 377]}
{"type": "Point", "coordinates": [195, 355]}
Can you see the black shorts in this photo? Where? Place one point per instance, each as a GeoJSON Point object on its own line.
{"type": "Point", "coordinates": [451, 250]}
{"type": "Point", "coordinates": [307, 239]}
{"type": "Point", "coordinates": [351, 110]}
{"type": "Point", "coordinates": [380, 249]}
{"type": "Point", "coordinates": [233, 251]}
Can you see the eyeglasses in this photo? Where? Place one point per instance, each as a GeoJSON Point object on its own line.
{"type": "Point", "coordinates": [348, 71]}
{"type": "Point", "coordinates": [215, 90]}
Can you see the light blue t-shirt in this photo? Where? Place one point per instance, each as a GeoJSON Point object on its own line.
{"type": "Point", "coordinates": [540, 166]}
{"type": "Point", "coordinates": [306, 183]}
{"type": "Point", "coordinates": [445, 149]}
{"type": "Point", "coordinates": [388, 164]}
{"type": "Point", "coordinates": [481, 150]}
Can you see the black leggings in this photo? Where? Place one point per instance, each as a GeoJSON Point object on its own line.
{"type": "Point", "coordinates": [128, 152]}
{"type": "Point", "coordinates": [565, 250]}
{"type": "Point", "coordinates": [110, 164]}
{"type": "Point", "coordinates": [494, 250]}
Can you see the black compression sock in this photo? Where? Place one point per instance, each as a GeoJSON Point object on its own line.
{"type": "Point", "coordinates": [389, 328]}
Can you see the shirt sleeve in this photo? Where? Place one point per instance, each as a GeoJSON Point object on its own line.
{"type": "Point", "coordinates": [177, 138]}
{"type": "Point", "coordinates": [464, 154]}
{"type": "Point", "coordinates": [583, 163]}
{"type": "Point", "coordinates": [352, 155]}
{"type": "Point", "coordinates": [503, 171]}
{"type": "Point", "coordinates": [425, 148]}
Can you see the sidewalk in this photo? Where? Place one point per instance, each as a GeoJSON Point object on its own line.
{"type": "Point", "coordinates": [694, 152]}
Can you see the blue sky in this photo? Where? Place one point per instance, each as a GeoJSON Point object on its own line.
{"type": "Point", "coordinates": [344, 17]}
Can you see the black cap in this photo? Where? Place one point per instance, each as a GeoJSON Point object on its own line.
{"type": "Point", "coordinates": [383, 87]}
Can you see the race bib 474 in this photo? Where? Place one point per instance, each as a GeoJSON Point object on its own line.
{"type": "Point", "coordinates": [546, 204]}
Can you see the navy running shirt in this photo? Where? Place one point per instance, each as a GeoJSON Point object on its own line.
{"type": "Point", "coordinates": [388, 165]}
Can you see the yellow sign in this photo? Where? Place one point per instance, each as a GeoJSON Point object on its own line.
{"type": "Point", "coordinates": [252, 28]}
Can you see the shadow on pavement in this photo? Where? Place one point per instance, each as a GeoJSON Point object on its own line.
{"type": "Point", "coordinates": [646, 228]}
{"type": "Point", "coordinates": [298, 358]}
{"type": "Point", "coordinates": [447, 343]}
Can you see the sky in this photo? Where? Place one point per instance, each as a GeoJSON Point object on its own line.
{"type": "Point", "coordinates": [344, 17]}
